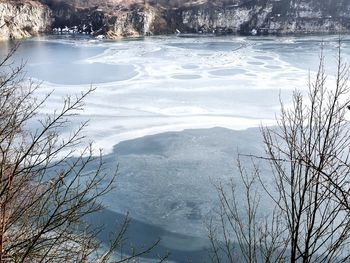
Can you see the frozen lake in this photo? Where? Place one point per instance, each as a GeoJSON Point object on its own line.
{"type": "Point", "coordinates": [164, 84]}
{"type": "Point", "coordinates": [161, 86]}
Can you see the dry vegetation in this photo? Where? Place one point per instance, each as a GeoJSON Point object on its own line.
{"type": "Point", "coordinates": [309, 156]}
{"type": "Point", "coordinates": [46, 189]}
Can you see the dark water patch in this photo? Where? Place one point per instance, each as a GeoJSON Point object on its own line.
{"type": "Point", "coordinates": [227, 72]}
{"type": "Point", "coordinates": [190, 66]}
{"type": "Point", "coordinates": [169, 190]}
{"type": "Point", "coordinates": [140, 235]}
{"type": "Point", "coordinates": [142, 146]}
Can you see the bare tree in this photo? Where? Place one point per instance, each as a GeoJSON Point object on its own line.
{"type": "Point", "coordinates": [46, 190]}
{"type": "Point", "coordinates": [243, 234]}
{"type": "Point", "coordinates": [309, 156]}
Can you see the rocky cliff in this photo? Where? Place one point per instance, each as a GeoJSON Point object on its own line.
{"type": "Point", "coordinates": [122, 18]}
{"type": "Point", "coordinates": [116, 18]}
{"type": "Point", "coordinates": [111, 19]}
{"type": "Point", "coordinates": [19, 19]}
{"type": "Point", "coordinates": [268, 17]}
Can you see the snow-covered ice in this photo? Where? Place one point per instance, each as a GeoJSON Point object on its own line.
{"type": "Point", "coordinates": [164, 84]}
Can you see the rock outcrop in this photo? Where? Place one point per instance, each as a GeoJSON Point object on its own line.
{"type": "Point", "coordinates": [111, 20]}
{"type": "Point", "coordinates": [118, 18]}
{"type": "Point", "coordinates": [130, 18]}
{"type": "Point", "coordinates": [266, 17]}
{"type": "Point", "coordinates": [20, 19]}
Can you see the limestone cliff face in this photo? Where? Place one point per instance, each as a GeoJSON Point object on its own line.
{"type": "Point", "coordinates": [130, 18]}
{"type": "Point", "coordinates": [115, 18]}
{"type": "Point", "coordinates": [23, 19]}
{"type": "Point", "coordinates": [267, 17]}
{"type": "Point", "coordinates": [209, 19]}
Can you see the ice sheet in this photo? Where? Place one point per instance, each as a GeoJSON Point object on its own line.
{"type": "Point", "coordinates": [164, 84]}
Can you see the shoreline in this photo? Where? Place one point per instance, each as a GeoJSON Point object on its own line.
{"type": "Point", "coordinates": [184, 35]}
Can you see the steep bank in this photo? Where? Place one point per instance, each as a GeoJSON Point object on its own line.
{"type": "Point", "coordinates": [267, 17]}
{"type": "Point", "coordinates": [20, 19]}
{"type": "Point", "coordinates": [124, 18]}
{"type": "Point", "coordinates": [117, 18]}
{"type": "Point", "coordinates": [109, 19]}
